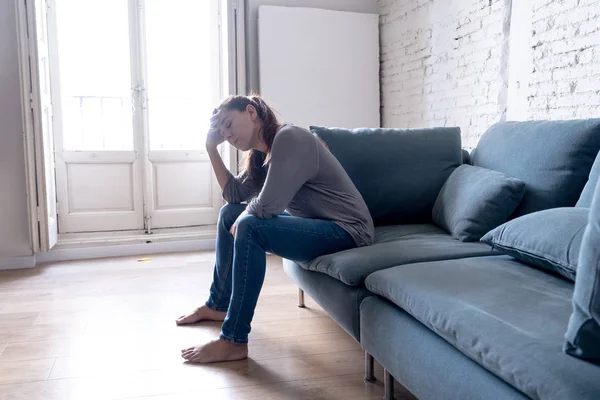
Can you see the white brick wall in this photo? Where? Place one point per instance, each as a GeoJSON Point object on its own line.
{"type": "Point", "coordinates": [565, 42]}
{"type": "Point", "coordinates": [446, 62]}
{"type": "Point", "coordinates": [440, 64]}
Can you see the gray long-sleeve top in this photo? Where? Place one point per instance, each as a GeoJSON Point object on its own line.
{"type": "Point", "coordinates": [305, 180]}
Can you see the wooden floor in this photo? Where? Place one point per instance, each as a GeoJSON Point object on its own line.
{"type": "Point", "coordinates": [104, 329]}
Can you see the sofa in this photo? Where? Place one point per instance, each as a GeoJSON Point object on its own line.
{"type": "Point", "coordinates": [468, 290]}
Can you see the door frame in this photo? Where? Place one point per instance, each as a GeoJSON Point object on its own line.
{"type": "Point", "coordinates": [43, 234]}
{"type": "Point", "coordinates": [27, 124]}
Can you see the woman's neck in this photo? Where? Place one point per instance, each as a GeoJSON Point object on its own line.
{"type": "Point", "coordinates": [261, 144]}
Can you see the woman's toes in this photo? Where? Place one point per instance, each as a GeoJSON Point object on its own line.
{"type": "Point", "coordinates": [184, 319]}
{"type": "Point", "coordinates": [187, 354]}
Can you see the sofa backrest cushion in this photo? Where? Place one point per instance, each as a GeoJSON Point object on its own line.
{"type": "Point", "coordinates": [475, 200]}
{"type": "Point", "coordinates": [553, 158]}
{"type": "Point", "coordinates": [399, 172]}
{"type": "Point", "coordinates": [583, 332]}
{"type": "Point", "coordinates": [585, 200]}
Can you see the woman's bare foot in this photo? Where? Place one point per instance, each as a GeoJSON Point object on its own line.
{"type": "Point", "coordinates": [201, 314]}
{"type": "Point", "coordinates": [216, 351]}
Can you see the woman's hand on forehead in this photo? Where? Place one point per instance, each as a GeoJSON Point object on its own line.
{"type": "Point", "coordinates": [214, 120]}
{"type": "Point", "coordinates": [217, 120]}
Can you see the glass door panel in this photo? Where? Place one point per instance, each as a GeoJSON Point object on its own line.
{"type": "Point", "coordinates": [95, 74]}
{"type": "Point", "coordinates": [180, 66]}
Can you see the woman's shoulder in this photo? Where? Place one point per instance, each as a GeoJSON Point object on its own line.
{"type": "Point", "coordinates": [291, 129]}
{"type": "Point", "coordinates": [293, 135]}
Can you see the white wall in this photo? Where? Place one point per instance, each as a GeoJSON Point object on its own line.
{"type": "Point", "coordinates": [328, 75]}
{"type": "Point", "coordinates": [441, 64]}
{"type": "Point", "coordinates": [14, 225]}
{"type": "Point", "coordinates": [449, 62]}
{"type": "Point", "coordinates": [364, 6]}
{"type": "Point", "coordinates": [565, 46]}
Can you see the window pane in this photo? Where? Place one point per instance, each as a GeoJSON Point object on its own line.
{"type": "Point", "coordinates": [181, 68]}
{"type": "Point", "coordinates": [95, 75]}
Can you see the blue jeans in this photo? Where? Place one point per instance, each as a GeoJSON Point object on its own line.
{"type": "Point", "coordinates": [241, 262]}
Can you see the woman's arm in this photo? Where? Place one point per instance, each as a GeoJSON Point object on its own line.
{"type": "Point", "coordinates": [213, 140]}
{"type": "Point", "coordinates": [221, 171]}
{"type": "Point", "coordinates": [234, 189]}
{"type": "Point", "coordinates": [294, 161]}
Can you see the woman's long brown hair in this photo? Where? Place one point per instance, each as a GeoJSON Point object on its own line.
{"type": "Point", "coordinates": [254, 163]}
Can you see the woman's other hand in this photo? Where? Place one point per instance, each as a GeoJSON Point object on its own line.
{"type": "Point", "coordinates": [233, 228]}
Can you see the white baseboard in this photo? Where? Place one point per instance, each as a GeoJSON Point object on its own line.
{"type": "Point", "coordinates": [125, 250]}
{"type": "Point", "coordinates": [7, 263]}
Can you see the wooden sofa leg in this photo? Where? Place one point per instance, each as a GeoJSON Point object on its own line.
{"type": "Point", "coordinates": [388, 385]}
{"type": "Point", "coordinates": [369, 368]}
{"type": "Point", "coordinates": [301, 298]}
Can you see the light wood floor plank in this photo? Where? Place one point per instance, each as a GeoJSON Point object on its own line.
{"type": "Point", "coordinates": [40, 332]}
{"type": "Point", "coordinates": [348, 387]}
{"type": "Point", "coordinates": [25, 371]}
{"type": "Point", "coordinates": [17, 320]}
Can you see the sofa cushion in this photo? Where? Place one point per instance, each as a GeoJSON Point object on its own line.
{"type": "Point", "coordinates": [341, 302]}
{"type": "Point", "coordinates": [399, 172]}
{"type": "Point", "coordinates": [585, 200]}
{"type": "Point", "coordinates": [425, 363]}
{"type": "Point", "coordinates": [583, 333]}
{"type": "Point", "coordinates": [475, 200]}
{"type": "Point", "coordinates": [395, 245]}
{"type": "Point", "coordinates": [548, 239]}
{"type": "Point", "coordinates": [508, 318]}
{"type": "Point", "coordinates": [553, 158]}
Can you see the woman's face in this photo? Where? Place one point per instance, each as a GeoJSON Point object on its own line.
{"type": "Point", "coordinates": [240, 129]}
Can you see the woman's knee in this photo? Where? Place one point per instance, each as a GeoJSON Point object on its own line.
{"type": "Point", "coordinates": [229, 213]}
{"type": "Point", "coordinates": [250, 227]}
{"type": "Point", "coordinates": [247, 222]}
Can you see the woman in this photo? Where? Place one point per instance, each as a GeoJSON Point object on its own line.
{"type": "Point", "coordinates": [287, 169]}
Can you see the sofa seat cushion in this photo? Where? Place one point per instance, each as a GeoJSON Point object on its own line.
{"type": "Point", "coordinates": [505, 316]}
{"type": "Point", "coordinates": [341, 302]}
{"type": "Point", "coordinates": [395, 245]}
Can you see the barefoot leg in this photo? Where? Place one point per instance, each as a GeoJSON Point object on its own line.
{"type": "Point", "coordinates": [220, 290]}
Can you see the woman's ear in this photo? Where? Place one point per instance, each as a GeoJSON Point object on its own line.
{"type": "Point", "coordinates": [251, 112]}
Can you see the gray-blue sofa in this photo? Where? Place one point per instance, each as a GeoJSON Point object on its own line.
{"type": "Point", "coordinates": [468, 290]}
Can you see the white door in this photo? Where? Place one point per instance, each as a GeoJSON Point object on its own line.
{"type": "Point", "coordinates": [137, 81]}
{"type": "Point", "coordinates": [99, 168]}
{"type": "Point", "coordinates": [182, 86]}
{"type": "Point", "coordinates": [41, 106]}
